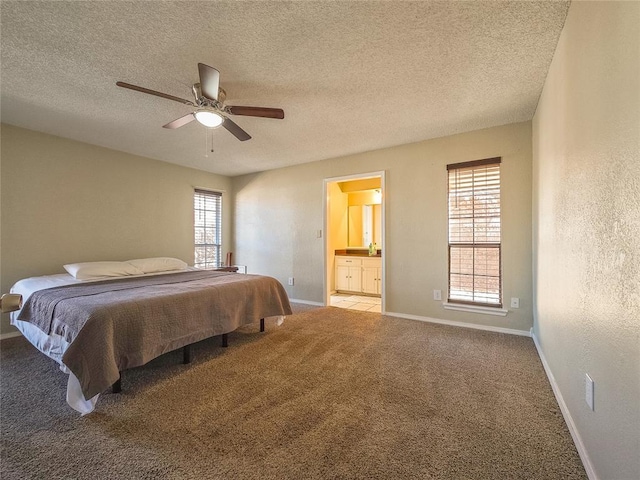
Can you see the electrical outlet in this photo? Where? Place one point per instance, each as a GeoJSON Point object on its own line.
{"type": "Point", "coordinates": [290, 280]}
{"type": "Point", "coordinates": [589, 390]}
{"type": "Point", "coordinates": [437, 294]}
{"type": "Point", "coordinates": [515, 302]}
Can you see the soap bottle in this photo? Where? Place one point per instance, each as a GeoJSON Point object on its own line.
{"type": "Point", "coordinates": [372, 249]}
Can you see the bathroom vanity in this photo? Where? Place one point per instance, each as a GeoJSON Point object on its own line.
{"type": "Point", "coordinates": [358, 272]}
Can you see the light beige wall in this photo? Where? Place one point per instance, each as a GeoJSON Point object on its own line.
{"type": "Point", "coordinates": [586, 142]}
{"type": "Point", "coordinates": [65, 201]}
{"type": "Point", "coordinates": [277, 214]}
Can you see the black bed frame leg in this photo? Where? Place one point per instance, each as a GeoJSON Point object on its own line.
{"type": "Point", "coordinates": [262, 324]}
{"type": "Point", "coordinates": [117, 386]}
{"type": "Point", "coordinates": [186, 354]}
{"type": "Point", "coordinates": [225, 340]}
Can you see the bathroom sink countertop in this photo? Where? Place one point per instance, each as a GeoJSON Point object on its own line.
{"type": "Point", "coordinates": [358, 252]}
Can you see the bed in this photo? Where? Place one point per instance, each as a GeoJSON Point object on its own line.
{"type": "Point", "coordinates": [95, 326]}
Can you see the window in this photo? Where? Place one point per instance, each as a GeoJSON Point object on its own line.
{"type": "Point", "coordinates": [207, 211]}
{"type": "Point", "coordinates": [475, 271]}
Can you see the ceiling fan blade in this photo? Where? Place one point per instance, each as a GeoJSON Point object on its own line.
{"type": "Point", "coordinates": [189, 117]}
{"type": "Point", "coordinates": [257, 111]}
{"type": "Point", "coordinates": [239, 133]}
{"type": "Point", "coordinates": [153, 92]}
{"type": "Point", "coordinates": [209, 81]}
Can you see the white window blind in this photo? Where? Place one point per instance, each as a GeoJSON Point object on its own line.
{"type": "Point", "coordinates": [475, 270]}
{"type": "Point", "coordinates": [207, 210]}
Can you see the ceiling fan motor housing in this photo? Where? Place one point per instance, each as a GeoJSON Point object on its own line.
{"type": "Point", "coordinates": [201, 100]}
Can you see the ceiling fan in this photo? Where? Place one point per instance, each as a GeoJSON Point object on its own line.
{"type": "Point", "coordinates": [209, 102]}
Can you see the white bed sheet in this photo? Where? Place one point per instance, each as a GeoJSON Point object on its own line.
{"type": "Point", "coordinates": [54, 345]}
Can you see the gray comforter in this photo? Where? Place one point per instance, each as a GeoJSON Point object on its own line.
{"type": "Point", "coordinates": [118, 324]}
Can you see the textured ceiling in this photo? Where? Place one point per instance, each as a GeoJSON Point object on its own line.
{"type": "Point", "coordinates": [351, 76]}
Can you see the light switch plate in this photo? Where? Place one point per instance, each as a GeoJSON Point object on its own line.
{"type": "Point", "coordinates": [515, 302]}
{"type": "Point", "coordinates": [437, 294]}
{"type": "Point", "coordinates": [589, 387]}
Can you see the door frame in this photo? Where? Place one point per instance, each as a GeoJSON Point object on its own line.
{"type": "Point", "coordinates": [327, 233]}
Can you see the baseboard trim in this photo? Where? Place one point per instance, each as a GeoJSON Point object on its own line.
{"type": "Point", "coordinates": [307, 302]}
{"type": "Point", "coordinates": [4, 336]}
{"type": "Point", "coordinates": [510, 331]}
{"type": "Point", "coordinates": [577, 439]}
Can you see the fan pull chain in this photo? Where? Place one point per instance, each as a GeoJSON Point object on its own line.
{"type": "Point", "coordinates": [206, 143]}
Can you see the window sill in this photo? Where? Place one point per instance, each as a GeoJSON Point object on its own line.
{"type": "Point", "coordinates": [501, 312]}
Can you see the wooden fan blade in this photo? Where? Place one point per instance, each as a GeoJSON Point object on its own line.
{"type": "Point", "coordinates": [239, 133]}
{"type": "Point", "coordinates": [257, 111]}
{"type": "Point", "coordinates": [209, 81]}
{"type": "Point", "coordinates": [189, 117]}
{"type": "Point", "coordinates": [153, 92]}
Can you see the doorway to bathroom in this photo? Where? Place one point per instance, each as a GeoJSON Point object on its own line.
{"type": "Point", "coordinates": [354, 241]}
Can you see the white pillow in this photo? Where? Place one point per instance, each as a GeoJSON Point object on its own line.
{"type": "Point", "coordinates": [93, 270]}
{"type": "Point", "coordinates": [158, 264]}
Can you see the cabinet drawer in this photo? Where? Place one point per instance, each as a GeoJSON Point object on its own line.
{"type": "Point", "coordinates": [375, 262]}
{"type": "Point", "coordinates": [349, 261]}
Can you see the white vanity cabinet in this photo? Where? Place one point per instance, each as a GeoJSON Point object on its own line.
{"type": "Point", "coordinates": [372, 275]}
{"type": "Point", "coordinates": [349, 274]}
{"type": "Point", "coordinates": [358, 274]}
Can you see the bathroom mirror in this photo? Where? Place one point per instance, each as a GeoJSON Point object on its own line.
{"type": "Point", "coordinates": [365, 226]}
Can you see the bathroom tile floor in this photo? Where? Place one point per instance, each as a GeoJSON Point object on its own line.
{"type": "Point", "coordinates": [356, 302]}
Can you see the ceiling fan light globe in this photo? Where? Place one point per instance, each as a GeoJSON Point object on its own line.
{"type": "Point", "coordinates": [209, 119]}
